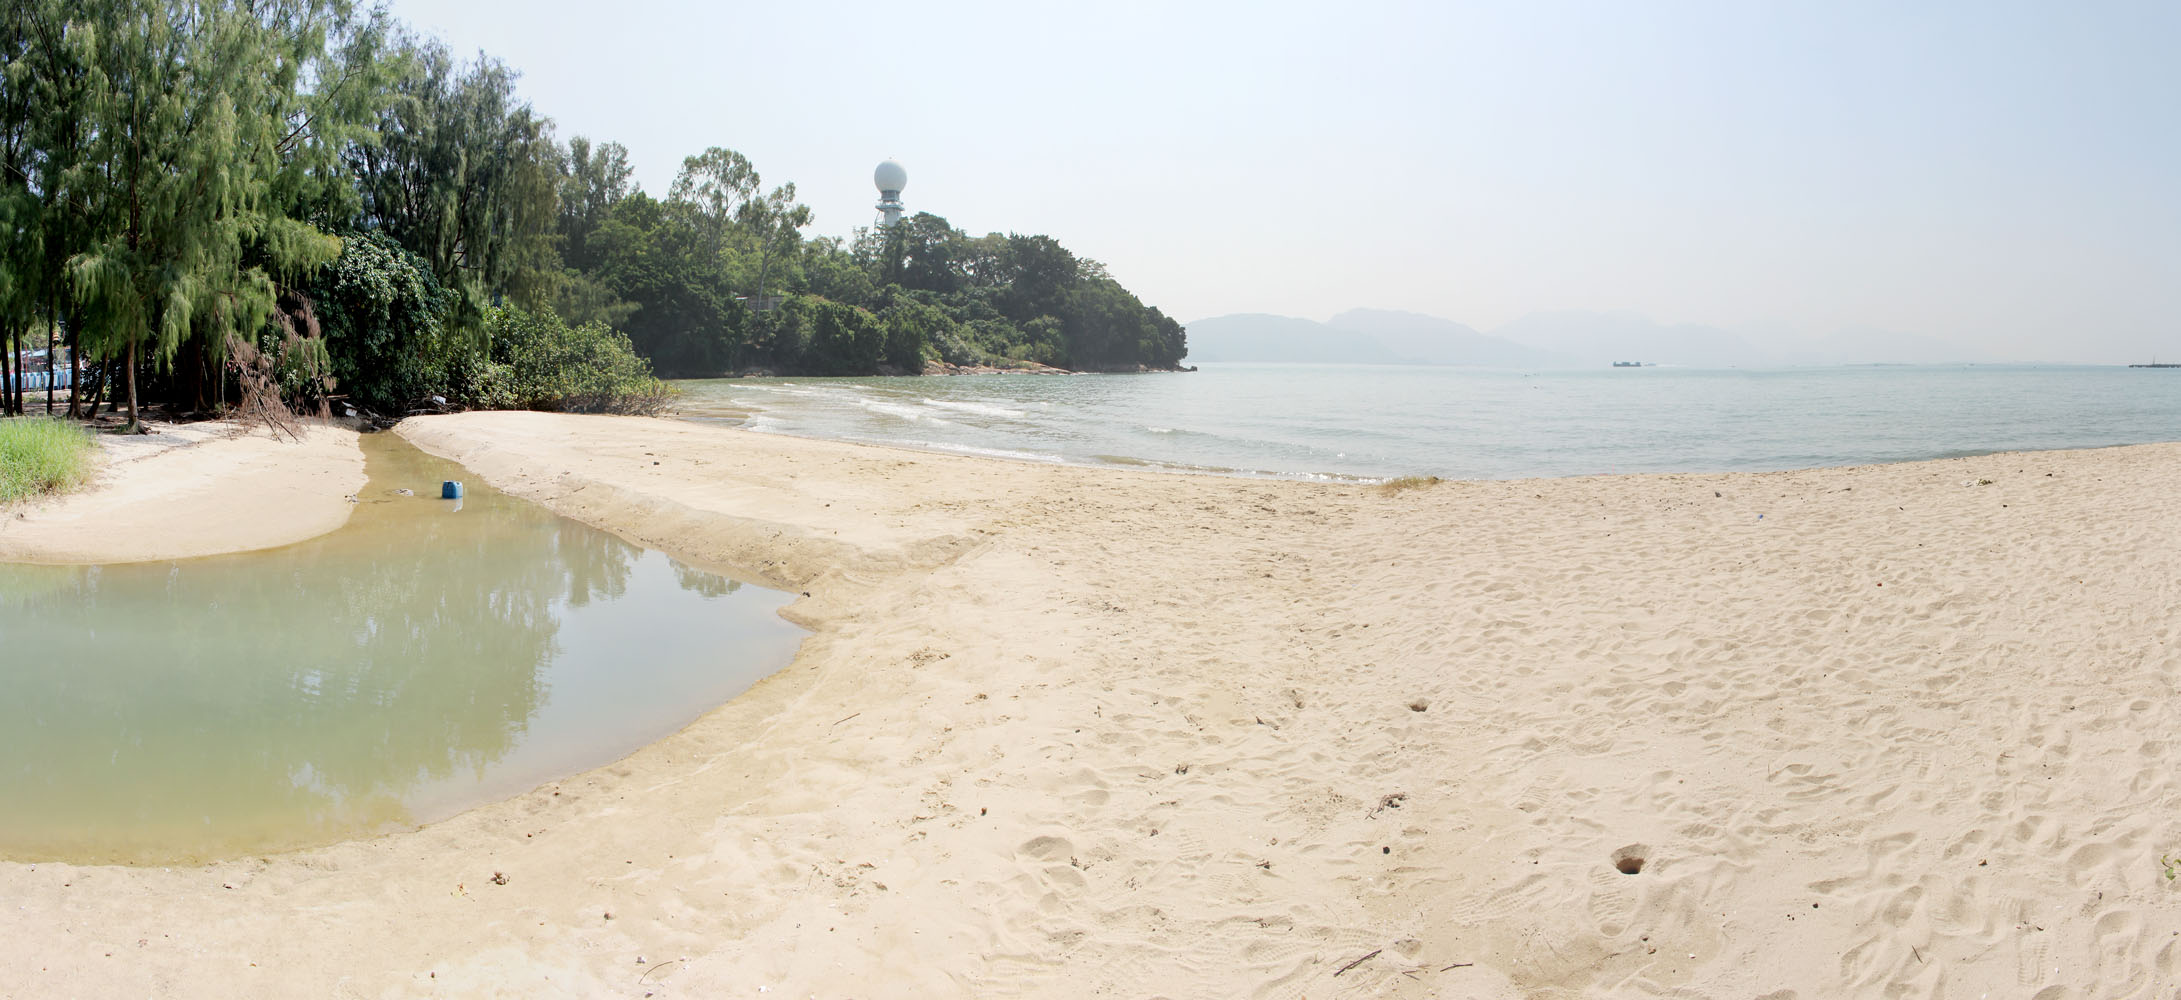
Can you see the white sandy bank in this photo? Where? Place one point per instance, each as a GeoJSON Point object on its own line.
{"type": "Point", "coordinates": [1075, 732]}
{"type": "Point", "coordinates": [192, 490]}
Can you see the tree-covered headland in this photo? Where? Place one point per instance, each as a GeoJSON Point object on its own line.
{"type": "Point", "coordinates": [212, 204]}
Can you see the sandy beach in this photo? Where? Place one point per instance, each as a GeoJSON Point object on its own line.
{"type": "Point", "coordinates": [1895, 730]}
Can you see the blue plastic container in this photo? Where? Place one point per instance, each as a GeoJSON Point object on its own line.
{"type": "Point", "coordinates": [450, 490]}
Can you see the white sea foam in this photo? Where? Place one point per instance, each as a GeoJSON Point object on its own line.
{"type": "Point", "coordinates": [970, 449]}
{"type": "Point", "coordinates": [985, 409]}
{"type": "Point", "coordinates": [898, 410]}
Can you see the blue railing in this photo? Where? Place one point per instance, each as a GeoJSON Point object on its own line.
{"type": "Point", "coordinates": [36, 381]}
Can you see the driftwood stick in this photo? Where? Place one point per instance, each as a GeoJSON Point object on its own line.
{"type": "Point", "coordinates": [1359, 961]}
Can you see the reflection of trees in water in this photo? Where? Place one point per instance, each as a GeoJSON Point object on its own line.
{"type": "Point", "coordinates": [598, 563]}
{"type": "Point", "coordinates": [697, 581]}
{"type": "Point", "coordinates": [319, 682]}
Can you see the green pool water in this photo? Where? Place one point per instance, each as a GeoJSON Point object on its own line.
{"type": "Point", "coordinates": [427, 657]}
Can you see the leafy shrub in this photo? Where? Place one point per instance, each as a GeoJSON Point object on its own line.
{"type": "Point", "coordinates": [385, 320]}
{"type": "Point", "coordinates": [539, 362]}
{"type": "Point", "coordinates": [823, 337]}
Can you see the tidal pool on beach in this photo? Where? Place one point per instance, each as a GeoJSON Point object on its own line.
{"type": "Point", "coordinates": [429, 656]}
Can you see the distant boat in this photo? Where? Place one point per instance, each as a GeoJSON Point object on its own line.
{"type": "Point", "coordinates": [2154, 364]}
{"type": "Point", "coordinates": [1627, 364]}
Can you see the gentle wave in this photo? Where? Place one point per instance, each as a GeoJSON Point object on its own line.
{"type": "Point", "coordinates": [1366, 423]}
{"type": "Point", "coordinates": [983, 409]}
{"type": "Point", "coordinates": [909, 413]}
{"type": "Point", "coordinates": [981, 452]}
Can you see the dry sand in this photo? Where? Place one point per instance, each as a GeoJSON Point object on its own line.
{"type": "Point", "coordinates": [192, 490]}
{"type": "Point", "coordinates": [1068, 732]}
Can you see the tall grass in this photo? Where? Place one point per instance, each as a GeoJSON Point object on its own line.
{"type": "Point", "coordinates": [39, 455]}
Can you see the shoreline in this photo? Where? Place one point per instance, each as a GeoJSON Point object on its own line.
{"type": "Point", "coordinates": [1485, 425]}
{"type": "Point", "coordinates": [1163, 466]}
{"type": "Point", "coordinates": [1063, 730]}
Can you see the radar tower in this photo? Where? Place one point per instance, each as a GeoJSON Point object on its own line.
{"type": "Point", "coordinates": [890, 179]}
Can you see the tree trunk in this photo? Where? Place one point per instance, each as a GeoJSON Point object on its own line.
{"type": "Point", "coordinates": [136, 424]}
{"type": "Point", "coordinates": [97, 376]}
{"type": "Point", "coordinates": [191, 390]}
{"type": "Point", "coordinates": [10, 380]}
{"type": "Point", "coordinates": [75, 376]}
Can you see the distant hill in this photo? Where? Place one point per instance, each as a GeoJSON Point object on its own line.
{"type": "Point", "coordinates": [1556, 339]}
{"type": "Point", "coordinates": [1429, 340]}
{"type": "Point", "coordinates": [1262, 337]}
{"type": "Point", "coordinates": [1359, 336]}
{"type": "Point", "coordinates": [1594, 339]}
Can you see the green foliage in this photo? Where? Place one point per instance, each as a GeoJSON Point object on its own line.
{"type": "Point", "coordinates": [658, 256]}
{"type": "Point", "coordinates": [912, 329]}
{"type": "Point", "coordinates": [1010, 297]}
{"type": "Point", "coordinates": [823, 337]}
{"type": "Point", "coordinates": [467, 176]}
{"type": "Point", "coordinates": [197, 131]}
{"type": "Point", "coordinates": [595, 179]}
{"type": "Point", "coordinates": [40, 456]}
{"type": "Point", "coordinates": [385, 316]}
{"type": "Point", "coordinates": [173, 174]}
{"type": "Point", "coordinates": [539, 362]}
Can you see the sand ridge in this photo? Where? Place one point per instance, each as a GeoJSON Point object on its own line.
{"type": "Point", "coordinates": [1058, 731]}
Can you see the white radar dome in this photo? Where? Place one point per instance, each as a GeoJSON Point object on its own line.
{"type": "Point", "coordinates": [890, 177]}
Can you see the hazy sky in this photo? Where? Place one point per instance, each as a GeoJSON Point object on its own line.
{"type": "Point", "coordinates": [2002, 175]}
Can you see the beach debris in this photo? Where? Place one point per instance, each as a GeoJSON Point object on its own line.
{"type": "Point", "coordinates": [405, 493]}
{"type": "Point", "coordinates": [499, 878]}
{"type": "Point", "coordinates": [1359, 961]}
{"type": "Point", "coordinates": [1631, 859]}
{"type": "Point", "coordinates": [1395, 485]}
{"type": "Point", "coordinates": [1390, 801]}
{"type": "Point", "coordinates": [1419, 705]}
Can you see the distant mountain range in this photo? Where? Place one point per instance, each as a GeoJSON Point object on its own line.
{"type": "Point", "coordinates": [1563, 339]}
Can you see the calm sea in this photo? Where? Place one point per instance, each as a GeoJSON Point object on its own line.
{"type": "Point", "coordinates": [1370, 421]}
